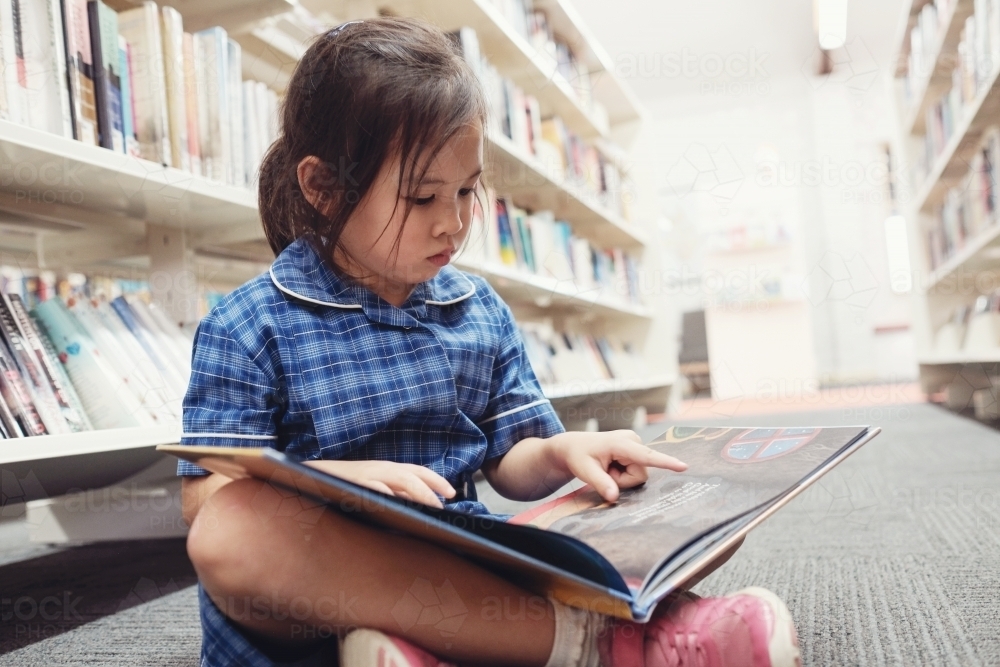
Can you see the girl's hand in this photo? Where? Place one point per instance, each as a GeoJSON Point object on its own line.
{"type": "Point", "coordinates": [405, 480]}
{"type": "Point", "coordinates": [608, 461]}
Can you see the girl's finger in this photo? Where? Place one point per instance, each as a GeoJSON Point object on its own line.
{"type": "Point", "coordinates": [628, 453]}
{"type": "Point", "coordinates": [435, 481]}
{"type": "Point", "coordinates": [591, 471]}
{"type": "Point", "coordinates": [415, 489]}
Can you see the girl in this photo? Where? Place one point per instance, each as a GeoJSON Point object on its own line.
{"type": "Point", "coordinates": [364, 352]}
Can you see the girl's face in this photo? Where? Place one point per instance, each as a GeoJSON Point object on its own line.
{"type": "Point", "coordinates": [436, 227]}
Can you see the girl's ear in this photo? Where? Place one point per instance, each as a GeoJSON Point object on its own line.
{"type": "Point", "coordinates": [314, 181]}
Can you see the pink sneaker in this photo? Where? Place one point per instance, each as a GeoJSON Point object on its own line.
{"type": "Point", "coordinates": [749, 628]}
{"type": "Point", "coordinates": [371, 648]}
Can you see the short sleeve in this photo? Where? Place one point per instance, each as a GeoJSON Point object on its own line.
{"type": "Point", "coordinates": [230, 401]}
{"type": "Point", "coordinates": [517, 407]}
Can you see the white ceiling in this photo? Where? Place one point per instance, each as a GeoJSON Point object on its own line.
{"type": "Point", "coordinates": [778, 33]}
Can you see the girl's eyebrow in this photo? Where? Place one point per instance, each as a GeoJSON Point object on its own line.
{"type": "Point", "coordinates": [439, 181]}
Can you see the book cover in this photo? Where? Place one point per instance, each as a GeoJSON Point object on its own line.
{"type": "Point", "coordinates": [145, 390]}
{"type": "Point", "coordinates": [106, 400]}
{"type": "Point", "coordinates": [107, 80]}
{"type": "Point", "coordinates": [172, 34]}
{"type": "Point", "coordinates": [80, 71]}
{"type": "Point", "coordinates": [141, 28]}
{"type": "Point", "coordinates": [149, 343]}
{"type": "Point", "coordinates": [69, 403]}
{"type": "Point", "coordinates": [619, 558]}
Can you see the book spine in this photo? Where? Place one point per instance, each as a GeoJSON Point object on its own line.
{"type": "Point", "coordinates": [38, 389]}
{"type": "Point", "coordinates": [191, 71]}
{"type": "Point", "coordinates": [69, 403]}
{"type": "Point", "coordinates": [130, 145]}
{"type": "Point", "coordinates": [79, 63]}
{"type": "Point", "coordinates": [234, 93]}
{"type": "Point", "coordinates": [59, 74]}
{"type": "Point", "coordinates": [108, 46]}
{"type": "Point", "coordinates": [15, 393]}
{"type": "Point", "coordinates": [101, 89]}
{"type": "Point", "coordinates": [20, 67]}
{"type": "Point", "coordinates": [141, 28]}
{"type": "Point", "coordinates": [172, 35]}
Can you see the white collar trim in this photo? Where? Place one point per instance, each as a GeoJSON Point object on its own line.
{"type": "Point", "coordinates": [305, 298]}
{"type": "Point", "coordinates": [463, 297]}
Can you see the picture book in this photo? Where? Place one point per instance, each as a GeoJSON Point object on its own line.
{"type": "Point", "coordinates": [618, 558]}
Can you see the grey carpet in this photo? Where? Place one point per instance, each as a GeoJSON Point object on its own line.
{"type": "Point", "coordinates": [891, 559]}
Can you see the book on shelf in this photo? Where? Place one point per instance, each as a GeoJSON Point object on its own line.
{"type": "Point", "coordinates": [131, 146]}
{"type": "Point", "coordinates": [44, 60]}
{"type": "Point", "coordinates": [212, 95]}
{"type": "Point", "coordinates": [192, 68]}
{"type": "Point", "coordinates": [618, 558]}
{"type": "Point", "coordinates": [535, 243]}
{"type": "Point", "coordinates": [107, 75]}
{"type": "Point", "coordinates": [15, 393]}
{"type": "Point", "coordinates": [968, 209]}
{"type": "Point", "coordinates": [39, 390]}
{"type": "Point", "coordinates": [80, 71]}
{"type": "Point", "coordinates": [234, 91]}
{"type": "Point", "coordinates": [172, 33]}
{"type": "Point", "coordinates": [141, 28]}
{"type": "Point", "coordinates": [68, 402]}
{"type": "Point", "coordinates": [560, 357]}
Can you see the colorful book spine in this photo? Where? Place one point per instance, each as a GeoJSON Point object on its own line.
{"type": "Point", "coordinates": [131, 146]}
{"type": "Point", "coordinates": [68, 402]}
{"type": "Point", "coordinates": [80, 66]}
{"type": "Point", "coordinates": [37, 385]}
{"type": "Point", "coordinates": [18, 399]}
{"type": "Point", "coordinates": [107, 78]}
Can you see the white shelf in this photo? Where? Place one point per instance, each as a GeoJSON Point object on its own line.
{"type": "Point", "coordinates": [953, 162]}
{"type": "Point", "coordinates": [508, 51]}
{"type": "Point", "coordinates": [530, 184]}
{"type": "Point", "coordinates": [63, 179]}
{"type": "Point", "coordinates": [52, 465]}
{"type": "Point", "coordinates": [962, 358]}
{"type": "Point", "coordinates": [971, 256]}
{"type": "Point", "coordinates": [519, 287]}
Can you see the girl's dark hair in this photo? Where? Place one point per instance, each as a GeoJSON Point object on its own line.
{"type": "Point", "coordinates": [363, 93]}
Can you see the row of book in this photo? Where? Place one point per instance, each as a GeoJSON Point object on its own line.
{"type": "Point", "coordinates": [538, 244]}
{"type": "Point", "coordinates": [978, 59]}
{"type": "Point", "coordinates": [925, 37]}
{"type": "Point", "coordinates": [970, 208]}
{"type": "Point", "coordinates": [82, 364]}
{"type": "Point", "coordinates": [561, 357]}
{"type": "Point", "coordinates": [533, 25]}
{"type": "Point", "coordinates": [561, 153]}
{"type": "Point", "coordinates": [134, 82]}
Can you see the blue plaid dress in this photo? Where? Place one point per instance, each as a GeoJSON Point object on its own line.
{"type": "Point", "coordinates": [301, 360]}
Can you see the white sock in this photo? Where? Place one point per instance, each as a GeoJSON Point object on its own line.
{"type": "Point", "coordinates": [575, 643]}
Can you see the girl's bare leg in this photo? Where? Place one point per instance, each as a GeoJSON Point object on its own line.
{"type": "Point", "coordinates": [291, 570]}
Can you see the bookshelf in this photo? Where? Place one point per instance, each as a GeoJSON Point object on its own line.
{"type": "Point", "coordinates": [82, 208]}
{"type": "Point", "coordinates": [955, 282]}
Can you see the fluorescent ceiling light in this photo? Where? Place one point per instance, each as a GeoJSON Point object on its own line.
{"type": "Point", "coordinates": [831, 23]}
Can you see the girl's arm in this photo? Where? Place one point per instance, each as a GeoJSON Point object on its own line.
{"type": "Point", "coordinates": [536, 467]}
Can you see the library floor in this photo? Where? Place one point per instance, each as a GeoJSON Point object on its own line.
{"type": "Point", "coordinates": [889, 560]}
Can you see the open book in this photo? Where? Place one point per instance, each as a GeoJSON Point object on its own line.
{"type": "Point", "coordinates": [619, 559]}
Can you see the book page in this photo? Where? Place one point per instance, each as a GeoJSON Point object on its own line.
{"type": "Point", "coordinates": [731, 471]}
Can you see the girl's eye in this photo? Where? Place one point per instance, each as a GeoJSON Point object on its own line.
{"type": "Point", "coordinates": [422, 201]}
{"type": "Point", "coordinates": [465, 192]}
